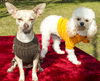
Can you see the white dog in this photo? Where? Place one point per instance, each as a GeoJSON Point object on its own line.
{"type": "Point", "coordinates": [26, 47]}
{"type": "Point", "coordinates": [80, 28]}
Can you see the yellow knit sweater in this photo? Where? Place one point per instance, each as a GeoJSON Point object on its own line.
{"type": "Point", "coordinates": [69, 41]}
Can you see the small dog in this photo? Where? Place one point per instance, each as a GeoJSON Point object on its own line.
{"type": "Point", "coordinates": [26, 47]}
{"type": "Point", "coordinates": [80, 28]}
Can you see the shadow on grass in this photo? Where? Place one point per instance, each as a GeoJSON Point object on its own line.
{"type": "Point", "coordinates": [3, 14]}
{"type": "Point", "coordinates": [95, 44]}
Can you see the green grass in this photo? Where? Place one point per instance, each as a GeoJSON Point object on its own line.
{"type": "Point", "coordinates": [8, 25]}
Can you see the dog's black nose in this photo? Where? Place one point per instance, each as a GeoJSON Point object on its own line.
{"type": "Point", "coordinates": [26, 26]}
{"type": "Point", "coordinates": [81, 23]}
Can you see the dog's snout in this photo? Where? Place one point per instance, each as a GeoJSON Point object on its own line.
{"type": "Point", "coordinates": [81, 23]}
{"type": "Point", "coordinates": [26, 26]}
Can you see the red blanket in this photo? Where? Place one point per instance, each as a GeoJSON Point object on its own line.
{"type": "Point", "coordinates": [56, 67]}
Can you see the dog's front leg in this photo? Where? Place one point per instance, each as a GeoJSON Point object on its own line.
{"type": "Point", "coordinates": [34, 73]}
{"type": "Point", "coordinates": [20, 65]}
{"type": "Point", "coordinates": [56, 44]}
{"type": "Point", "coordinates": [12, 67]}
{"type": "Point", "coordinates": [72, 57]}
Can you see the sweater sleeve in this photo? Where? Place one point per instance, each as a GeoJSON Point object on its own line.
{"type": "Point", "coordinates": [69, 44]}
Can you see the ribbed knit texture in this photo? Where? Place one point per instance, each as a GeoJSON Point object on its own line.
{"type": "Point", "coordinates": [26, 51]}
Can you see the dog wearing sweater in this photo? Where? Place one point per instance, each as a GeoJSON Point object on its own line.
{"type": "Point", "coordinates": [81, 27]}
{"type": "Point", "coordinates": [26, 47]}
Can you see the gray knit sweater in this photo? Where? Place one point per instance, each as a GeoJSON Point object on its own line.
{"type": "Point", "coordinates": [26, 51]}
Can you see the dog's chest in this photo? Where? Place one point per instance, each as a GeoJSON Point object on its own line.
{"type": "Point", "coordinates": [26, 51]}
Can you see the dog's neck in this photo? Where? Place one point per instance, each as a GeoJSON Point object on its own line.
{"type": "Point", "coordinates": [82, 33]}
{"type": "Point", "coordinates": [25, 38]}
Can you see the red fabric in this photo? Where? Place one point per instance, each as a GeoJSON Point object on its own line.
{"type": "Point", "coordinates": [56, 67]}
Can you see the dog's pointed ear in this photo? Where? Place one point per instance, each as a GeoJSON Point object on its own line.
{"type": "Point", "coordinates": [92, 29]}
{"type": "Point", "coordinates": [39, 9]}
{"type": "Point", "coordinates": [11, 9]}
{"type": "Point", "coordinates": [71, 28]}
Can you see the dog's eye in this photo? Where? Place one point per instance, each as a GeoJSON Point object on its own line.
{"type": "Point", "coordinates": [87, 20]}
{"type": "Point", "coordinates": [78, 19]}
{"type": "Point", "coordinates": [20, 19]}
{"type": "Point", "coordinates": [31, 19]}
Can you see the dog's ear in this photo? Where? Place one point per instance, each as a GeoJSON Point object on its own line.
{"type": "Point", "coordinates": [39, 9]}
{"type": "Point", "coordinates": [11, 9]}
{"type": "Point", "coordinates": [71, 28]}
{"type": "Point", "coordinates": [92, 29]}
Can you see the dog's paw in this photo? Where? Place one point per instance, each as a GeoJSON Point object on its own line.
{"type": "Point", "coordinates": [60, 52]}
{"type": "Point", "coordinates": [73, 59]}
{"type": "Point", "coordinates": [21, 80]}
{"type": "Point", "coordinates": [34, 78]}
{"type": "Point", "coordinates": [10, 70]}
{"type": "Point", "coordinates": [76, 62]}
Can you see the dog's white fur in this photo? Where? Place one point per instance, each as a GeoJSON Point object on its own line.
{"type": "Point", "coordinates": [49, 27]}
{"type": "Point", "coordinates": [25, 20]}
